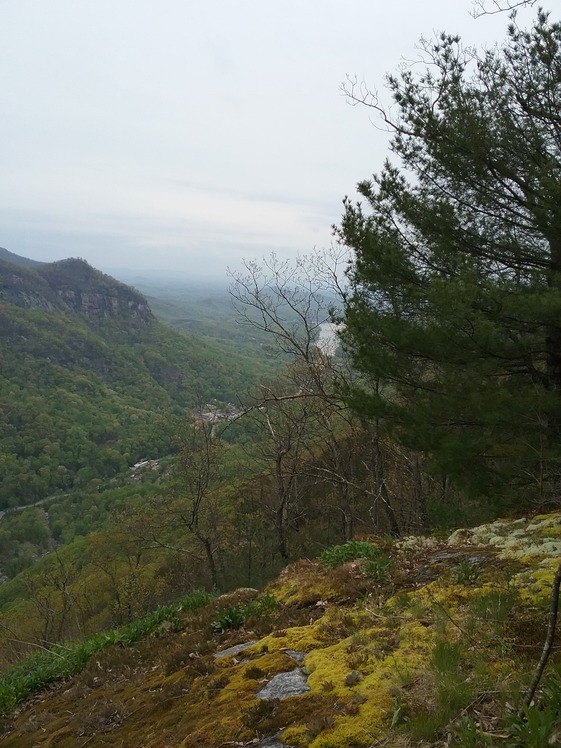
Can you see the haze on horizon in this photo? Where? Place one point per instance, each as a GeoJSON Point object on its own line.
{"type": "Point", "coordinates": [186, 136]}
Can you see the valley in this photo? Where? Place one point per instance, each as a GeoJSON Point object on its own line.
{"type": "Point", "coordinates": [159, 453]}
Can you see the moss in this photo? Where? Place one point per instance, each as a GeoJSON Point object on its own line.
{"type": "Point", "coordinates": [535, 586]}
{"type": "Point", "coordinates": [212, 723]}
{"type": "Point", "coordinates": [379, 676]}
{"type": "Point", "coordinates": [299, 638]}
{"type": "Point", "coordinates": [334, 624]}
{"type": "Point", "coordinates": [354, 723]}
{"type": "Point", "coordinates": [553, 532]}
{"type": "Point", "coordinates": [296, 735]}
{"type": "Point", "coordinates": [303, 583]}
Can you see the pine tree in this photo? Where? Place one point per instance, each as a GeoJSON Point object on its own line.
{"type": "Point", "coordinates": [455, 310]}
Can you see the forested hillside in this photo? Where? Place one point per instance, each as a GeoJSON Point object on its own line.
{"type": "Point", "coordinates": [91, 382]}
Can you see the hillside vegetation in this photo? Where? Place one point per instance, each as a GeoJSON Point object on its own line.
{"type": "Point", "coordinates": [90, 381]}
{"type": "Point", "coordinates": [416, 642]}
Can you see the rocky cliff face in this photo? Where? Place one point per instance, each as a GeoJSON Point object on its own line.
{"type": "Point", "coordinates": [71, 286]}
{"type": "Point", "coordinates": [99, 304]}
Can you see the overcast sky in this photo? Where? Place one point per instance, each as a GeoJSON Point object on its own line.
{"type": "Point", "coordinates": [186, 135]}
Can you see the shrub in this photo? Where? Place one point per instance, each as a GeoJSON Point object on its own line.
{"type": "Point", "coordinates": [378, 568]}
{"type": "Point", "coordinates": [378, 562]}
{"type": "Point", "coordinates": [236, 615]}
{"type": "Point", "coordinates": [466, 572]}
{"type": "Point", "coordinates": [353, 549]}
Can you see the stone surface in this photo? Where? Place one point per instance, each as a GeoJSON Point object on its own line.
{"type": "Point", "coordinates": [283, 685]}
{"type": "Point", "coordinates": [298, 656]}
{"type": "Point", "coordinates": [236, 649]}
{"type": "Point", "coordinates": [272, 743]}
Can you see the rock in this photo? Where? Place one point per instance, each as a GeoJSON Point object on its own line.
{"type": "Point", "coordinates": [298, 656]}
{"type": "Point", "coordinates": [236, 649]}
{"type": "Point", "coordinates": [283, 685]}
{"type": "Point", "coordinates": [272, 743]}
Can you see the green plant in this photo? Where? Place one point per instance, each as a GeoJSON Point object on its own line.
{"type": "Point", "coordinates": [540, 723]}
{"type": "Point", "coordinates": [450, 693]}
{"type": "Point", "coordinates": [378, 562]}
{"type": "Point", "coordinates": [236, 615]}
{"type": "Point", "coordinates": [496, 605]}
{"type": "Point", "coordinates": [42, 668]}
{"type": "Point", "coordinates": [352, 678]}
{"type": "Point", "coordinates": [536, 728]}
{"type": "Point", "coordinates": [446, 658]}
{"type": "Point", "coordinates": [425, 725]}
{"type": "Point", "coordinates": [378, 568]}
{"type": "Point", "coordinates": [466, 572]}
{"type": "Point", "coordinates": [341, 554]}
{"type": "Point", "coordinates": [469, 734]}
{"type": "Point", "coordinates": [228, 618]}
{"type": "Point", "coordinates": [318, 725]}
{"type": "Point", "coordinates": [261, 712]}
{"type": "Point", "coordinates": [398, 712]}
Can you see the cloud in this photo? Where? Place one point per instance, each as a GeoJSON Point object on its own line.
{"type": "Point", "coordinates": [193, 133]}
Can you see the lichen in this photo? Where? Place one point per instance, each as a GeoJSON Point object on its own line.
{"type": "Point", "coordinates": [416, 543]}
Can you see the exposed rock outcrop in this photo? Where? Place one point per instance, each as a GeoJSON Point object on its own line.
{"type": "Point", "coordinates": [72, 286]}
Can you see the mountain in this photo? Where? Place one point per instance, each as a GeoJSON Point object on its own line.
{"type": "Point", "coordinates": [17, 259]}
{"type": "Point", "coordinates": [414, 643]}
{"type": "Point", "coordinates": [90, 381]}
{"type": "Point", "coordinates": [70, 286]}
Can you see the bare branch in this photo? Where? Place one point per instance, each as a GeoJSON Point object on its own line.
{"type": "Point", "coordinates": [482, 7]}
{"type": "Point", "coordinates": [549, 639]}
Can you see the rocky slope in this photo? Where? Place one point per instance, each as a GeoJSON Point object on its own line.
{"type": "Point", "coordinates": [419, 642]}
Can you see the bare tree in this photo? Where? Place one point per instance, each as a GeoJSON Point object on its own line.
{"type": "Point", "coordinates": [288, 419]}
{"type": "Point", "coordinates": [196, 506]}
{"type": "Point", "coordinates": [60, 604]}
{"type": "Point", "coordinates": [296, 304]}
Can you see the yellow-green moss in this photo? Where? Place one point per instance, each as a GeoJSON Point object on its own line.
{"type": "Point", "coordinates": [299, 638]}
{"type": "Point", "coordinates": [334, 624]}
{"type": "Point", "coordinates": [534, 587]}
{"type": "Point", "coordinates": [303, 583]}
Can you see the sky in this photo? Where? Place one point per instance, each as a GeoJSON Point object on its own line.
{"type": "Point", "coordinates": [182, 137]}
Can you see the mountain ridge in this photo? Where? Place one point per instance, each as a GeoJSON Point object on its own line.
{"type": "Point", "coordinates": [70, 285]}
{"type": "Point", "coordinates": [15, 259]}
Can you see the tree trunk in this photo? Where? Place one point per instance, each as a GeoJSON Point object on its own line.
{"type": "Point", "coordinates": [553, 370]}
{"type": "Point", "coordinates": [282, 543]}
{"type": "Point", "coordinates": [420, 498]}
{"type": "Point", "coordinates": [380, 484]}
{"type": "Point", "coordinates": [211, 562]}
